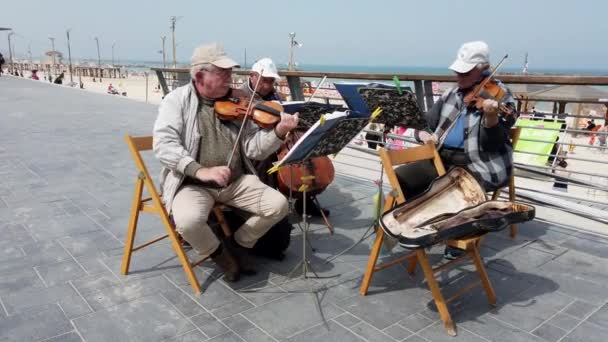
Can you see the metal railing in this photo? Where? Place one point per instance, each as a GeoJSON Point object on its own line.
{"type": "Point", "coordinates": [584, 177]}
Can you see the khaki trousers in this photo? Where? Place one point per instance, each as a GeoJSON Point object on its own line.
{"type": "Point", "coordinates": [193, 203]}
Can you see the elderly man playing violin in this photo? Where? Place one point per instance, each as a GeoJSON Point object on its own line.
{"type": "Point", "coordinates": [471, 135]}
{"type": "Point", "coordinates": [194, 147]}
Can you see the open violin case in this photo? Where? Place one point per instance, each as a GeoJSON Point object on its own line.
{"type": "Point", "coordinates": [454, 206]}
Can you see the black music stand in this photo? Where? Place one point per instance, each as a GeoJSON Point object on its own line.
{"type": "Point", "coordinates": [326, 137]}
{"type": "Point", "coordinates": [399, 108]}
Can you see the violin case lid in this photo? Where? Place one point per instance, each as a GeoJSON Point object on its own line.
{"type": "Point", "coordinates": [454, 206]}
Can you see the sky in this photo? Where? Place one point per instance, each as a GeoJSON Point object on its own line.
{"type": "Point", "coordinates": [555, 34]}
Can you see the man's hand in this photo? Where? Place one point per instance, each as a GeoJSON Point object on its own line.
{"type": "Point", "coordinates": [287, 123]}
{"type": "Point", "coordinates": [490, 110]}
{"type": "Point", "coordinates": [428, 137]}
{"type": "Point", "coordinates": [217, 174]}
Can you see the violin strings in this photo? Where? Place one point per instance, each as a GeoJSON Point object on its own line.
{"type": "Point", "coordinates": [238, 136]}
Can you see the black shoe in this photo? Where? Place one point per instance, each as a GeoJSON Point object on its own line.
{"type": "Point", "coordinates": [243, 256]}
{"type": "Point", "coordinates": [452, 253]}
{"type": "Point", "coordinates": [227, 263]}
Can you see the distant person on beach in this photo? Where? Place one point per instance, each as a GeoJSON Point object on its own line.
{"type": "Point", "coordinates": [476, 139]}
{"type": "Point", "coordinates": [59, 79]}
{"type": "Point", "coordinates": [35, 75]}
{"type": "Point", "coordinates": [194, 146]}
{"type": "Point", "coordinates": [111, 90]}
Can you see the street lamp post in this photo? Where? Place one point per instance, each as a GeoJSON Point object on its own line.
{"type": "Point", "coordinates": [67, 33]}
{"type": "Point", "coordinates": [292, 36]}
{"type": "Point", "coordinates": [173, 20]}
{"type": "Point", "coordinates": [53, 54]}
{"type": "Point", "coordinates": [10, 52]}
{"type": "Point", "coordinates": [98, 57]}
{"type": "Point", "coordinates": [164, 58]}
{"type": "Point", "coordinates": [113, 53]}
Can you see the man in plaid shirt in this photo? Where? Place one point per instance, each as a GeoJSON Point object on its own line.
{"type": "Point", "coordinates": [477, 140]}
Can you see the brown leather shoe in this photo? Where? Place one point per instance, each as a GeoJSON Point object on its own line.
{"type": "Point", "coordinates": [228, 264]}
{"type": "Point", "coordinates": [242, 256]}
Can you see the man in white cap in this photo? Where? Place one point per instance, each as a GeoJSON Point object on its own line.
{"type": "Point", "coordinates": [193, 146]}
{"type": "Point", "coordinates": [477, 140]}
{"type": "Point", "coordinates": [264, 71]}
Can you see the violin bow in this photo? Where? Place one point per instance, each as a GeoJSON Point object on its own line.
{"type": "Point", "coordinates": [249, 107]}
{"type": "Point", "coordinates": [317, 88]}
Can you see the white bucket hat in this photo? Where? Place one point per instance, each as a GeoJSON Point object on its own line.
{"type": "Point", "coordinates": [266, 68]}
{"type": "Point", "coordinates": [470, 55]}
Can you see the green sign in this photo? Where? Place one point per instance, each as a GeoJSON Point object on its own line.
{"type": "Point", "coordinates": [535, 146]}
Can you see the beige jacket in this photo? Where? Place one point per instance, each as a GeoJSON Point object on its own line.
{"type": "Point", "coordinates": [176, 139]}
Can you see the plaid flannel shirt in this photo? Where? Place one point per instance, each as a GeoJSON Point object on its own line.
{"type": "Point", "coordinates": [489, 150]}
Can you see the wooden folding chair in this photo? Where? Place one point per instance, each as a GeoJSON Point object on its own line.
{"type": "Point", "coordinates": [514, 135]}
{"type": "Point", "coordinates": [154, 205]}
{"type": "Point", "coordinates": [390, 159]}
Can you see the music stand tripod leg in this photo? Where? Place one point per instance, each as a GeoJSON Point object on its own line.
{"type": "Point", "coordinates": [373, 225]}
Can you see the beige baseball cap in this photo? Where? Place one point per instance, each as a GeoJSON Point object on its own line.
{"type": "Point", "coordinates": [470, 55]}
{"type": "Point", "coordinates": [212, 54]}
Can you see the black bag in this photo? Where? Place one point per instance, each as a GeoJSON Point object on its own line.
{"type": "Point", "coordinates": [273, 244]}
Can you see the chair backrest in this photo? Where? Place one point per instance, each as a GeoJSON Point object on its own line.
{"type": "Point", "coordinates": [392, 158]}
{"type": "Point", "coordinates": [137, 145]}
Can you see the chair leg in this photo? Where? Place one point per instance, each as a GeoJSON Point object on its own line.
{"type": "Point", "coordinates": [442, 307]}
{"type": "Point", "coordinates": [411, 267]}
{"type": "Point", "coordinates": [512, 199]}
{"type": "Point", "coordinates": [371, 263]}
{"type": "Point", "coordinates": [219, 215]}
{"type": "Point", "coordinates": [134, 217]}
{"type": "Point", "coordinates": [487, 285]}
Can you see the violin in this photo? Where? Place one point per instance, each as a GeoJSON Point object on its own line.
{"type": "Point", "coordinates": [488, 88]}
{"type": "Point", "coordinates": [289, 177]}
{"type": "Point", "coordinates": [265, 114]}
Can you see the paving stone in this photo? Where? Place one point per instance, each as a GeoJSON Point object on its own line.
{"type": "Point", "coordinates": [29, 297]}
{"type": "Point", "coordinates": [347, 320]}
{"type": "Point", "coordinates": [91, 243]}
{"type": "Point", "coordinates": [587, 332]}
{"type": "Point", "coordinates": [397, 332]}
{"type": "Point", "coordinates": [301, 310]}
{"type": "Point", "coordinates": [549, 332]}
{"type": "Point", "coordinates": [384, 308]}
{"type": "Point", "coordinates": [416, 322]}
{"type": "Point", "coordinates": [69, 337]}
{"type": "Point", "coordinates": [495, 330]}
{"type": "Point", "coordinates": [580, 309]}
{"type": "Point", "coordinates": [228, 337]}
{"type": "Point", "coordinates": [125, 292]}
{"type": "Point", "coordinates": [34, 325]}
{"type": "Point", "coordinates": [246, 330]}
{"type": "Point", "coordinates": [191, 336]}
{"type": "Point", "coordinates": [532, 307]}
{"type": "Point", "coordinates": [415, 338]}
{"type": "Point", "coordinates": [370, 333]}
{"type": "Point", "coordinates": [600, 317]}
{"type": "Point", "coordinates": [437, 333]}
{"type": "Point", "coordinates": [209, 325]}
{"type": "Point", "coordinates": [95, 282]}
{"type": "Point", "coordinates": [183, 302]}
{"type": "Point", "coordinates": [150, 318]}
{"type": "Point", "coordinates": [60, 273]}
{"type": "Point", "coordinates": [329, 332]}
{"type": "Point", "coordinates": [10, 282]}
{"type": "Point", "coordinates": [564, 321]}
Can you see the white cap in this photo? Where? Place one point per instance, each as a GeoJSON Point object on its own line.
{"type": "Point", "coordinates": [470, 55]}
{"type": "Point", "coordinates": [266, 68]}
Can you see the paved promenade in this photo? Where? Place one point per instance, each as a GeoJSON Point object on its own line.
{"type": "Point", "coordinates": [66, 181]}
